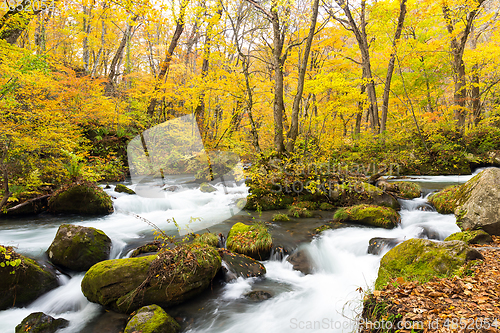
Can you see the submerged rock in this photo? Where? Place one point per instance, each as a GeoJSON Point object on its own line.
{"type": "Point", "coordinates": [258, 295]}
{"type": "Point", "coordinates": [429, 233]}
{"type": "Point", "coordinates": [422, 259]}
{"type": "Point", "coordinates": [168, 278]}
{"type": "Point", "coordinates": [22, 280]}
{"type": "Point", "coordinates": [375, 216]}
{"type": "Point", "coordinates": [152, 319]}
{"type": "Point", "coordinates": [39, 322]}
{"type": "Point", "coordinates": [236, 265]}
{"type": "Point", "coordinates": [378, 244]}
{"type": "Point", "coordinates": [85, 199]}
{"type": "Point", "coordinates": [120, 188]}
{"type": "Point", "coordinates": [78, 248]}
{"type": "Point", "coordinates": [479, 202]}
{"type": "Point", "coordinates": [471, 237]}
{"type": "Point", "coordinates": [301, 261]}
{"type": "Point", "coordinates": [254, 241]}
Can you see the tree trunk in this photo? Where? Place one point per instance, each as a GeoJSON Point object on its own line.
{"type": "Point", "coordinates": [165, 65]}
{"type": "Point", "coordinates": [6, 191]}
{"type": "Point", "coordinates": [390, 67]}
{"type": "Point", "coordinates": [278, 61]}
{"type": "Point", "coordinates": [13, 22]}
{"type": "Point", "coordinates": [294, 127]}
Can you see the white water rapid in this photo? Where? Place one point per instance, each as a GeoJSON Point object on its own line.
{"type": "Point", "coordinates": [327, 300]}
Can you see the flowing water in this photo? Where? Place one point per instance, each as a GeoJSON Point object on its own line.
{"type": "Point", "coordinates": [327, 300]}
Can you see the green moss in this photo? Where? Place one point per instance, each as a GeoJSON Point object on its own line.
{"type": "Point", "coordinates": [280, 218]}
{"type": "Point", "coordinates": [297, 211]}
{"type": "Point", "coordinates": [408, 190]}
{"type": "Point", "coordinates": [376, 216]}
{"type": "Point", "coordinates": [326, 206]}
{"type": "Point", "coordinates": [306, 204]}
{"type": "Point", "coordinates": [154, 246]}
{"type": "Point", "coordinates": [254, 241]}
{"type": "Point", "coordinates": [207, 188]}
{"type": "Point", "coordinates": [421, 260]}
{"type": "Point", "coordinates": [152, 319]}
{"type": "Point", "coordinates": [208, 238]}
{"type": "Point", "coordinates": [120, 188]}
{"type": "Point", "coordinates": [81, 198]}
{"type": "Point", "coordinates": [471, 237]}
{"type": "Point", "coordinates": [445, 200]}
{"type": "Point", "coordinates": [39, 322]}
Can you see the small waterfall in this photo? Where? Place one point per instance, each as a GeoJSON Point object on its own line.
{"type": "Point", "coordinates": [278, 253]}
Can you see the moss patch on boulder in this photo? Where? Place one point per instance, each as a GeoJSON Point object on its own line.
{"type": "Point", "coordinates": [167, 278]}
{"type": "Point", "coordinates": [207, 188]}
{"type": "Point", "coordinates": [375, 216]}
{"type": "Point", "coordinates": [81, 198]}
{"type": "Point", "coordinates": [445, 200]}
{"type": "Point", "coordinates": [422, 259]}
{"type": "Point", "coordinates": [326, 206]}
{"type": "Point", "coordinates": [78, 248]}
{"type": "Point", "coordinates": [39, 322]}
{"type": "Point", "coordinates": [407, 190]}
{"type": "Point", "coordinates": [207, 238]}
{"type": "Point", "coordinates": [22, 280]}
{"type": "Point", "coordinates": [150, 247]}
{"type": "Point", "coordinates": [120, 188]}
{"type": "Point", "coordinates": [471, 237]}
{"type": "Point", "coordinates": [152, 319]}
{"type": "Point", "coordinates": [254, 241]}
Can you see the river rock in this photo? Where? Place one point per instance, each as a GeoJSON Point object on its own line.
{"type": "Point", "coordinates": [120, 188]}
{"type": "Point", "coordinates": [78, 248]}
{"type": "Point", "coordinates": [301, 261]}
{"type": "Point", "coordinates": [378, 244]}
{"type": "Point", "coordinates": [22, 280]}
{"type": "Point", "coordinates": [39, 322]}
{"type": "Point", "coordinates": [401, 189]}
{"type": "Point", "coordinates": [148, 248]}
{"type": "Point", "coordinates": [115, 283]}
{"type": "Point", "coordinates": [152, 319]}
{"type": "Point", "coordinates": [356, 193]}
{"type": "Point", "coordinates": [84, 199]}
{"type": "Point", "coordinates": [471, 237]}
{"type": "Point", "coordinates": [254, 241]}
{"type": "Point", "coordinates": [258, 295]}
{"type": "Point", "coordinates": [207, 188]}
{"type": "Point", "coordinates": [422, 259]}
{"type": "Point", "coordinates": [235, 265]}
{"type": "Point", "coordinates": [479, 202]}
{"type": "Point", "coordinates": [429, 233]}
{"type": "Point", "coordinates": [375, 216]}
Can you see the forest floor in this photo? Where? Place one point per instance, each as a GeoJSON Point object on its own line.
{"type": "Point", "coordinates": [470, 303]}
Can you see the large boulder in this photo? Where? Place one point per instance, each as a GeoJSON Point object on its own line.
{"type": "Point", "coordinates": [152, 319]}
{"type": "Point", "coordinates": [236, 265]}
{"type": "Point", "coordinates": [479, 202]}
{"type": "Point", "coordinates": [375, 216]}
{"type": "Point", "coordinates": [22, 280]}
{"type": "Point", "coordinates": [254, 241]}
{"type": "Point", "coordinates": [39, 322]}
{"type": "Point", "coordinates": [422, 259]}
{"type": "Point", "coordinates": [79, 248]}
{"type": "Point", "coordinates": [81, 198]}
{"type": "Point", "coordinates": [167, 278]}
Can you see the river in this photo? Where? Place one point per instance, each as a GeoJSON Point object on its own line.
{"type": "Point", "coordinates": [326, 301]}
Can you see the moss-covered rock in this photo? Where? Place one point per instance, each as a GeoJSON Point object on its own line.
{"type": "Point", "coordinates": [120, 188]}
{"type": "Point", "coordinates": [478, 202]}
{"type": "Point", "coordinates": [39, 322]}
{"type": "Point", "coordinates": [375, 216]}
{"type": "Point", "coordinates": [422, 259]}
{"type": "Point", "coordinates": [326, 206]}
{"type": "Point", "coordinates": [150, 247]}
{"type": "Point", "coordinates": [280, 218]}
{"type": "Point", "coordinates": [207, 188]}
{"type": "Point", "coordinates": [81, 198]}
{"type": "Point", "coordinates": [207, 238]}
{"type": "Point", "coordinates": [445, 200]}
{"type": "Point", "coordinates": [236, 265]}
{"type": "Point", "coordinates": [330, 226]}
{"type": "Point", "coordinates": [78, 248]}
{"type": "Point", "coordinates": [407, 190]}
{"type": "Point", "coordinates": [152, 319]}
{"type": "Point", "coordinates": [254, 241]}
{"type": "Point", "coordinates": [22, 280]}
{"type": "Point", "coordinates": [297, 211]}
{"type": "Point", "coordinates": [471, 237]}
{"type": "Point", "coordinates": [167, 278]}
{"type": "Point", "coordinates": [356, 192]}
